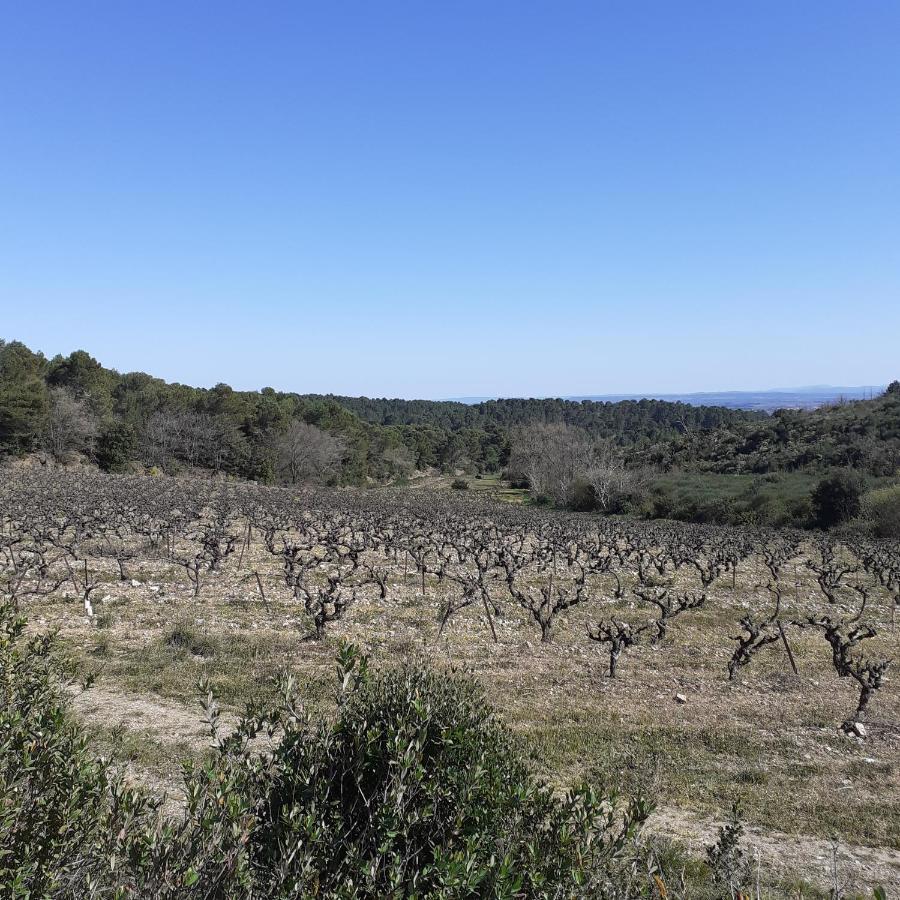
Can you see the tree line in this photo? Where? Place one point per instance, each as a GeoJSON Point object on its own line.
{"type": "Point", "coordinates": [73, 404]}
{"type": "Point", "coordinates": [581, 454]}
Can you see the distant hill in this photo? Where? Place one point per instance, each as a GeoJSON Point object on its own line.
{"type": "Point", "coordinates": [625, 421]}
{"type": "Point", "coordinates": [762, 401]}
{"type": "Point", "coordinates": [857, 434]}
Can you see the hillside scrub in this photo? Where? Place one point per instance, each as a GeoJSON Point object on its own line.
{"type": "Point", "coordinates": [881, 512]}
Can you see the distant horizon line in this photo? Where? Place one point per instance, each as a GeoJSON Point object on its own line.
{"type": "Point", "coordinates": [661, 395]}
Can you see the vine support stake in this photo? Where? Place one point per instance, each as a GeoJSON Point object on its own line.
{"type": "Point", "coordinates": [787, 646]}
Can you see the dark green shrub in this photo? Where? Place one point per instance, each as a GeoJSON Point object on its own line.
{"type": "Point", "coordinates": [582, 496]}
{"type": "Point", "coordinates": [116, 447]}
{"type": "Point", "coordinates": [518, 481]}
{"type": "Point", "coordinates": [432, 798]}
{"type": "Point", "coordinates": [59, 806]}
{"type": "Point", "coordinates": [460, 484]}
{"type": "Point", "coordinates": [836, 498]}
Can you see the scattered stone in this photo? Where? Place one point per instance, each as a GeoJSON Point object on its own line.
{"type": "Point", "coordinates": [135, 583]}
{"type": "Point", "coordinates": [680, 698]}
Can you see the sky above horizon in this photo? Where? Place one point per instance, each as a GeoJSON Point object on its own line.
{"type": "Point", "coordinates": [461, 199]}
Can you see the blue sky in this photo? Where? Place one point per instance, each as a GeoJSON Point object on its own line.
{"type": "Point", "coordinates": [430, 199]}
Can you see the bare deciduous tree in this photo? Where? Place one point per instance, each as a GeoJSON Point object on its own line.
{"type": "Point", "coordinates": [550, 457]}
{"type": "Point", "coordinates": [71, 426]}
{"type": "Point", "coordinates": [306, 453]}
{"type": "Point", "coordinates": [609, 479]}
{"type": "Point", "coordinates": [559, 461]}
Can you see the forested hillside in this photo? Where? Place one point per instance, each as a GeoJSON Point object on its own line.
{"type": "Point", "coordinates": [72, 405]}
{"type": "Point", "coordinates": [862, 435]}
{"type": "Point", "coordinates": [624, 420]}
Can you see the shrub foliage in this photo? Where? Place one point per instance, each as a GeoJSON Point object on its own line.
{"type": "Point", "coordinates": [413, 789]}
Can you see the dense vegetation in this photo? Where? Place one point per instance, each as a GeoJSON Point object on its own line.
{"type": "Point", "coordinates": [863, 435]}
{"type": "Point", "coordinates": [135, 417]}
{"type": "Point", "coordinates": [624, 421]}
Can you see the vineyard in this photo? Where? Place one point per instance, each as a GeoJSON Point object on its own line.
{"type": "Point", "coordinates": [698, 666]}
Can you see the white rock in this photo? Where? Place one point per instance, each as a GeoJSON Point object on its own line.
{"type": "Point", "coordinates": [680, 698]}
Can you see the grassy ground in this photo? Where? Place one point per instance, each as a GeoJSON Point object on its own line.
{"type": "Point", "coordinates": [491, 485]}
{"type": "Point", "coordinates": [769, 740]}
{"type": "Point", "coordinates": [777, 499]}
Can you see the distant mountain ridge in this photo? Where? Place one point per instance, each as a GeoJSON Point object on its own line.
{"type": "Point", "coordinates": [810, 397]}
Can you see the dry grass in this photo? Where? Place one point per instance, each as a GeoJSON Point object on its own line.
{"type": "Point", "coordinates": [769, 740]}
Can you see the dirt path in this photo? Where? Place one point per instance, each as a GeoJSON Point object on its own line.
{"type": "Point", "coordinates": [169, 721]}
{"type": "Point", "coordinates": [814, 859]}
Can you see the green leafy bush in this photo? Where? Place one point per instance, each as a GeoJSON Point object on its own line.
{"type": "Point", "coordinates": [413, 789]}
{"type": "Point", "coordinates": [582, 496]}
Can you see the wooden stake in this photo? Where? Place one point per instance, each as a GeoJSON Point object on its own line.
{"type": "Point", "coordinates": [787, 646]}
{"type": "Point", "coordinates": [490, 618]}
{"type": "Point", "coordinates": [262, 593]}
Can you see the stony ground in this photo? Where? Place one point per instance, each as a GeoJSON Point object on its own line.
{"type": "Point", "coordinates": [818, 805]}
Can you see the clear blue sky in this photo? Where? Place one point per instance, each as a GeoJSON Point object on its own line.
{"type": "Point", "coordinates": [438, 199]}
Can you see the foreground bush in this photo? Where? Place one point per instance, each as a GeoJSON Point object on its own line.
{"type": "Point", "coordinates": [413, 790]}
